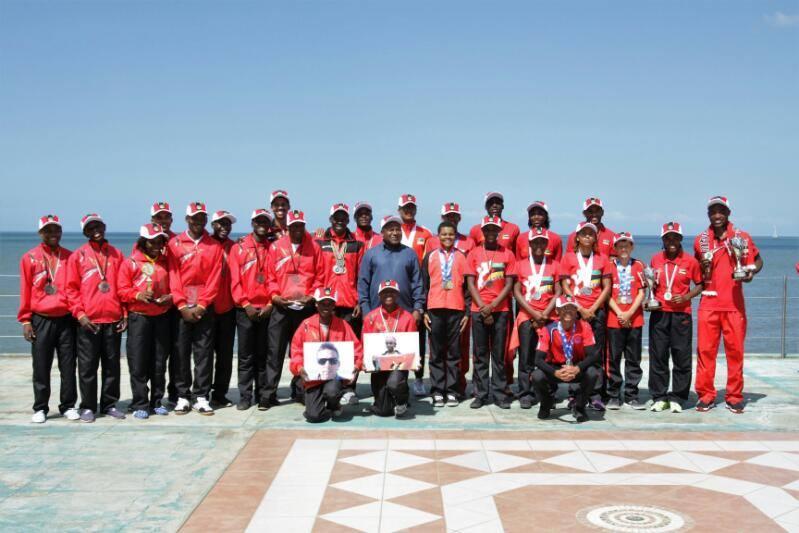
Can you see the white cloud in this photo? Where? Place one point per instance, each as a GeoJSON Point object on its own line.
{"type": "Point", "coordinates": [782, 20]}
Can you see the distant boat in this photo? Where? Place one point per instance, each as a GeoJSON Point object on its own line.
{"type": "Point", "coordinates": [774, 235]}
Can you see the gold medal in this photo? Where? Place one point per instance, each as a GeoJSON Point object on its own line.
{"type": "Point", "coordinates": [448, 285]}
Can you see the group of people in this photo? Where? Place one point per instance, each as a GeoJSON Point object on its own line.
{"type": "Point", "coordinates": [571, 308]}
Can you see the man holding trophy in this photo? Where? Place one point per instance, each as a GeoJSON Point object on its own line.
{"type": "Point", "coordinates": [727, 256]}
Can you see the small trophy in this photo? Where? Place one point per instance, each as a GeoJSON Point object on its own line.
{"type": "Point", "coordinates": [738, 247]}
{"type": "Point", "coordinates": [651, 304]}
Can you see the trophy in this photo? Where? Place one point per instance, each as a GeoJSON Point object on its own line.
{"type": "Point", "coordinates": [651, 304]}
{"type": "Point", "coordinates": [738, 247]}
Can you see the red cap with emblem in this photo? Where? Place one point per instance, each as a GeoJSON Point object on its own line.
{"type": "Point", "coordinates": [280, 193]}
{"type": "Point", "coordinates": [719, 200]}
{"type": "Point", "coordinates": [389, 219]}
{"type": "Point", "coordinates": [565, 300]}
{"type": "Point", "coordinates": [362, 205]}
{"type": "Point", "coordinates": [537, 233]}
{"type": "Point", "coordinates": [406, 199]}
{"type": "Point", "coordinates": [387, 285]}
{"type": "Point", "coordinates": [46, 220]}
{"type": "Point", "coordinates": [219, 215]}
{"type": "Point", "coordinates": [623, 236]}
{"type": "Point", "coordinates": [491, 221]}
{"type": "Point", "coordinates": [260, 212]}
{"type": "Point", "coordinates": [538, 203]}
{"type": "Point", "coordinates": [151, 231]}
{"type": "Point", "coordinates": [491, 195]}
{"type": "Point", "coordinates": [671, 227]}
{"type": "Point", "coordinates": [450, 207]}
{"type": "Point", "coordinates": [160, 207]}
{"type": "Point", "coordinates": [335, 208]}
{"type": "Point", "coordinates": [592, 201]}
{"type": "Point", "coordinates": [295, 217]}
{"type": "Point", "coordinates": [91, 217]}
{"type": "Point", "coordinates": [325, 294]}
{"type": "Point", "coordinates": [582, 225]}
{"type": "Point", "coordinates": [196, 208]}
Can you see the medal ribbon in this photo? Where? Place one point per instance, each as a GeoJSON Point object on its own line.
{"type": "Point", "coordinates": [567, 342]}
{"type": "Point", "coordinates": [385, 323]}
{"type": "Point", "coordinates": [536, 276]}
{"type": "Point", "coordinates": [670, 279]}
{"type": "Point", "coordinates": [446, 261]}
{"type": "Point", "coordinates": [586, 269]}
{"type": "Point", "coordinates": [48, 265]}
{"type": "Point", "coordinates": [625, 279]}
{"type": "Point", "coordinates": [104, 269]}
{"type": "Point", "coordinates": [338, 252]}
{"type": "Point", "coordinates": [408, 241]}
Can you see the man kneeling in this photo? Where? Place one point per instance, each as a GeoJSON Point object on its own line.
{"type": "Point", "coordinates": [566, 353]}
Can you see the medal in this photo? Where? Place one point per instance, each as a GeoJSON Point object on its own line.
{"type": "Point", "coordinates": [585, 272]}
{"type": "Point", "coordinates": [625, 300]}
{"type": "Point", "coordinates": [49, 289]}
{"type": "Point", "coordinates": [536, 276]}
{"type": "Point", "coordinates": [446, 261]}
{"type": "Point", "coordinates": [339, 268]}
{"type": "Point", "coordinates": [669, 281]}
{"type": "Point", "coordinates": [448, 285]}
{"type": "Point", "coordinates": [667, 296]}
{"type": "Point", "coordinates": [260, 278]}
{"type": "Point", "coordinates": [586, 291]}
{"type": "Point", "coordinates": [148, 269]}
{"type": "Point", "coordinates": [103, 286]}
{"type": "Point", "coordinates": [708, 256]}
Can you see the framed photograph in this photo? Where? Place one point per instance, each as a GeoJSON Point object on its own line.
{"type": "Point", "coordinates": [387, 351]}
{"type": "Point", "coordinates": [327, 360]}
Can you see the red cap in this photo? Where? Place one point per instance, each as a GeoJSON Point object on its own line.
{"type": "Point", "coordinates": [671, 227]}
{"type": "Point", "coordinates": [219, 215]}
{"type": "Point", "coordinates": [195, 208]}
{"type": "Point", "coordinates": [362, 205]}
{"type": "Point", "coordinates": [46, 220]}
{"type": "Point", "coordinates": [325, 294]}
{"type": "Point", "coordinates": [719, 200]}
{"type": "Point", "coordinates": [335, 208]}
{"type": "Point", "coordinates": [406, 199]}
{"type": "Point", "coordinates": [280, 193]}
{"type": "Point", "coordinates": [91, 217]}
{"type": "Point", "coordinates": [565, 300]}
{"type": "Point", "coordinates": [592, 201]}
{"type": "Point", "coordinates": [491, 221]}
{"type": "Point", "coordinates": [623, 236]}
{"type": "Point", "coordinates": [151, 231]}
{"type": "Point", "coordinates": [538, 203]}
{"type": "Point", "coordinates": [450, 207]}
{"type": "Point", "coordinates": [537, 233]}
{"type": "Point", "coordinates": [583, 225]}
{"type": "Point", "coordinates": [492, 195]}
{"type": "Point", "coordinates": [160, 207]}
{"type": "Point", "coordinates": [295, 217]}
{"type": "Point", "coordinates": [260, 212]}
{"type": "Point", "coordinates": [388, 284]}
{"type": "Point", "coordinates": [388, 219]}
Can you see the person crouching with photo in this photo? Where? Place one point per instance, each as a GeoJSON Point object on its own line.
{"type": "Point", "coordinates": [389, 387]}
{"type": "Point", "coordinates": [322, 397]}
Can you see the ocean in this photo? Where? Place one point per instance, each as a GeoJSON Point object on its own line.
{"type": "Point", "coordinates": [764, 296]}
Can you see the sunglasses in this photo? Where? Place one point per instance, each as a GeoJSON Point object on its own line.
{"type": "Point", "coordinates": [328, 361]}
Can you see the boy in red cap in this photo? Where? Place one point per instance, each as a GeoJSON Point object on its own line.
{"type": "Point", "coordinates": [671, 327]}
{"type": "Point", "coordinates": [224, 314]}
{"type": "Point", "coordinates": [363, 226]}
{"type": "Point", "coordinates": [322, 397]}
{"type": "Point", "coordinates": [46, 321]}
{"type": "Point", "coordinates": [342, 254]}
{"type": "Point", "coordinates": [625, 324]}
{"type": "Point", "coordinates": [281, 205]}
{"type": "Point", "coordinates": [538, 219]}
{"type": "Point", "coordinates": [294, 272]}
{"type": "Point", "coordinates": [195, 269]}
{"type": "Point", "coordinates": [143, 286]}
{"type": "Point", "coordinates": [566, 353]}
{"type": "Point", "coordinates": [253, 300]}
{"type": "Point", "coordinates": [92, 293]}
{"type": "Point", "coordinates": [494, 204]}
{"type": "Point", "coordinates": [161, 215]}
{"type": "Point", "coordinates": [490, 280]}
{"type": "Point", "coordinates": [722, 312]}
{"type": "Point", "coordinates": [389, 388]}
{"type": "Point", "coordinates": [593, 211]}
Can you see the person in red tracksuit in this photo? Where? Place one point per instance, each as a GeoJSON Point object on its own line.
{"type": "Point", "coordinates": [294, 271]}
{"type": "Point", "coordinates": [195, 269]}
{"type": "Point", "coordinates": [225, 315]}
{"type": "Point", "coordinates": [46, 321]}
{"type": "Point", "coordinates": [494, 204]}
{"type": "Point", "coordinates": [593, 211]}
{"type": "Point", "coordinates": [538, 219]}
{"type": "Point", "coordinates": [322, 398]}
{"type": "Point", "coordinates": [250, 290]}
{"type": "Point", "coordinates": [722, 312]}
{"type": "Point", "coordinates": [451, 212]}
{"type": "Point", "coordinates": [281, 205]}
{"type": "Point", "coordinates": [415, 237]}
{"type": "Point", "coordinates": [444, 282]}
{"type": "Point", "coordinates": [363, 226]}
{"type": "Point", "coordinates": [585, 275]}
{"type": "Point", "coordinates": [93, 301]}
{"type": "Point", "coordinates": [389, 388]}
{"type": "Point", "coordinates": [536, 289]}
{"type": "Point", "coordinates": [161, 215]}
{"type": "Point", "coordinates": [143, 287]}
{"type": "Point", "coordinates": [342, 254]}
{"type": "Point", "coordinates": [625, 324]}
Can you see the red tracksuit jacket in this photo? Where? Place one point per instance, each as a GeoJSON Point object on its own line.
{"type": "Point", "coordinates": [195, 269]}
{"type": "Point", "coordinates": [294, 274]}
{"type": "Point", "coordinates": [131, 281]}
{"type": "Point", "coordinates": [400, 321]}
{"type": "Point", "coordinates": [346, 284]}
{"type": "Point", "coordinates": [415, 237]}
{"type": "Point", "coordinates": [311, 331]}
{"type": "Point", "coordinates": [224, 298]}
{"type": "Point", "coordinates": [370, 239]}
{"type": "Point", "coordinates": [33, 278]}
{"type": "Point", "coordinates": [247, 261]}
{"type": "Point", "coordinates": [83, 280]}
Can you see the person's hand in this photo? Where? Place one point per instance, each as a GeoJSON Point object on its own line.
{"type": "Point", "coordinates": [563, 375]}
{"type": "Point", "coordinates": [677, 299]}
{"type": "Point", "coordinates": [280, 301]}
{"type": "Point", "coordinates": [28, 333]}
{"type": "Point", "coordinates": [586, 314]}
{"type": "Point", "coordinates": [187, 314]}
{"type": "Point", "coordinates": [88, 325]}
{"type": "Point", "coordinates": [305, 299]}
{"type": "Point", "coordinates": [145, 296]}
{"type": "Point", "coordinates": [199, 312]}
{"type": "Point", "coordinates": [537, 317]}
{"type": "Point", "coordinates": [464, 322]}
{"type": "Point", "coordinates": [417, 316]}
{"type": "Point", "coordinates": [427, 322]}
{"type": "Point", "coordinates": [165, 300]}
{"type": "Point", "coordinates": [319, 233]}
{"type": "Point", "coordinates": [122, 325]}
{"type": "Point", "coordinates": [489, 320]}
{"type": "Point", "coordinates": [264, 313]}
{"type": "Point", "coordinates": [303, 373]}
{"type": "Point", "coordinates": [356, 311]}
{"type": "Point", "coordinates": [750, 275]}
{"type": "Point", "coordinates": [253, 313]}
{"type": "Point", "coordinates": [486, 310]}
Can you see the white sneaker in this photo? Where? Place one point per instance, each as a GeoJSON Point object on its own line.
{"type": "Point", "coordinates": [418, 388]}
{"type": "Point", "coordinates": [659, 406]}
{"type": "Point", "coordinates": [675, 407]}
{"type": "Point", "coordinates": [349, 398]}
{"type": "Point", "coordinates": [39, 417]}
{"type": "Point", "coordinates": [72, 414]}
{"type": "Point", "coordinates": [400, 410]}
{"type": "Point", "coordinates": [203, 407]}
{"type": "Point", "coordinates": [182, 407]}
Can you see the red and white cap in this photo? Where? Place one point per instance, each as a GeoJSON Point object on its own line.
{"type": "Point", "coordinates": [537, 233]}
{"type": "Point", "coordinates": [196, 208]}
{"type": "Point", "coordinates": [582, 225]}
{"type": "Point", "coordinates": [389, 219]}
{"type": "Point", "coordinates": [261, 212]}
{"type": "Point", "coordinates": [219, 215]}
{"type": "Point", "coordinates": [151, 231]}
{"type": "Point", "coordinates": [450, 207]}
{"type": "Point", "coordinates": [671, 227]}
{"type": "Point", "coordinates": [91, 217]}
{"type": "Point", "coordinates": [592, 201]}
{"type": "Point", "coordinates": [491, 195]}
{"type": "Point", "coordinates": [160, 207]}
{"type": "Point", "coordinates": [491, 221]}
{"type": "Point", "coordinates": [388, 284]}
{"type": "Point", "coordinates": [280, 193]}
{"type": "Point", "coordinates": [362, 205]}
{"type": "Point", "coordinates": [325, 294]}
{"type": "Point", "coordinates": [295, 217]}
{"type": "Point", "coordinates": [46, 220]}
{"type": "Point", "coordinates": [406, 199]}
{"type": "Point", "coordinates": [335, 208]}
{"type": "Point", "coordinates": [565, 300]}
{"type": "Point", "coordinates": [719, 200]}
{"type": "Point", "coordinates": [538, 203]}
{"type": "Point", "coordinates": [623, 236]}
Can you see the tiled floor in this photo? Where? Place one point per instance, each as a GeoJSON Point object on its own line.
{"type": "Point", "coordinates": [291, 481]}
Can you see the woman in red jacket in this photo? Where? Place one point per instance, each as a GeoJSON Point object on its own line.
{"type": "Point", "coordinates": [143, 287]}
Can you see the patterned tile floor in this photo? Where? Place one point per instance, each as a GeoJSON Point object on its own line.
{"type": "Point", "coordinates": [501, 481]}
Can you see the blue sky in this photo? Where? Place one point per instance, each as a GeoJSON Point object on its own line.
{"type": "Point", "coordinates": [653, 106]}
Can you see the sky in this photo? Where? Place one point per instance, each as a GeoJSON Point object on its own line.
{"type": "Point", "coordinates": [108, 106]}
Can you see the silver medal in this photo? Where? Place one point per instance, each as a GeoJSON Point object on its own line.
{"type": "Point", "coordinates": [50, 289]}
{"type": "Point", "coordinates": [103, 286]}
{"type": "Point", "coordinates": [667, 296]}
{"type": "Point", "coordinates": [708, 256]}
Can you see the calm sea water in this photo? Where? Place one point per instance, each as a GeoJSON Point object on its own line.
{"type": "Point", "coordinates": [764, 294]}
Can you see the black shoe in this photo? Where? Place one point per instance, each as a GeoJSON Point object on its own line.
{"type": "Point", "coordinates": [243, 405]}
{"type": "Point", "coordinates": [264, 405]}
{"type": "Point", "coordinates": [477, 403]}
{"type": "Point", "coordinates": [545, 409]}
{"type": "Point", "coordinates": [218, 403]}
{"type": "Point", "coordinates": [526, 402]}
{"type": "Point", "coordinates": [704, 406]}
{"type": "Point", "coordinates": [737, 408]}
{"type": "Point", "coordinates": [504, 404]}
{"type": "Point", "coordinates": [579, 414]}
{"type": "Point", "coordinates": [273, 401]}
